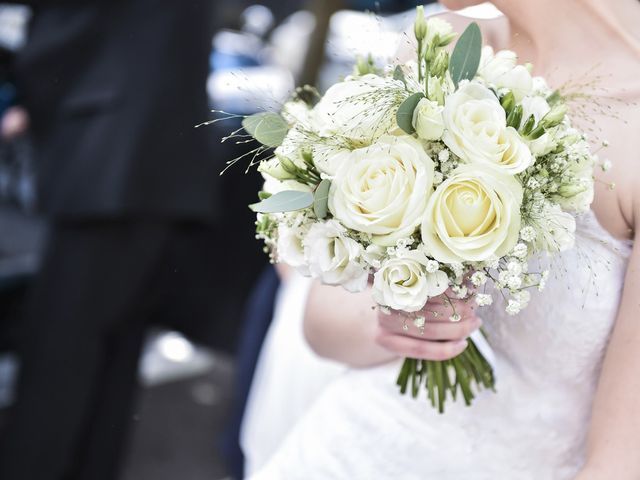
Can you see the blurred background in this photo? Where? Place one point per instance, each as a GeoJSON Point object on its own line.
{"type": "Point", "coordinates": [110, 202]}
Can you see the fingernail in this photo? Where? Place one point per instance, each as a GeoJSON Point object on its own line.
{"type": "Point", "coordinates": [462, 344]}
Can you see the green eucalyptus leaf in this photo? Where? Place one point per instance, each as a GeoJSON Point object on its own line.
{"type": "Point", "coordinates": [321, 199]}
{"type": "Point", "coordinates": [266, 127]}
{"type": "Point", "coordinates": [404, 117]}
{"type": "Point", "coordinates": [465, 58]}
{"type": "Point", "coordinates": [287, 201]}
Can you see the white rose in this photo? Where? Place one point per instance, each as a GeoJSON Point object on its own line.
{"type": "Point", "coordinates": [517, 156]}
{"type": "Point", "coordinates": [383, 189]}
{"type": "Point", "coordinates": [335, 258]}
{"type": "Point", "coordinates": [502, 71]}
{"type": "Point", "coordinates": [474, 120]}
{"type": "Point", "coordinates": [555, 230]}
{"type": "Point", "coordinates": [290, 247]}
{"type": "Point", "coordinates": [359, 109]}
{"type": "Point", "coordinates": [476, 130]}
{"type": "Point", "coordinates": [403, 283]}
{"type": "Point", "coordinates": [472, 216]}
{"type": "Point", "coordinates": [427, 120]}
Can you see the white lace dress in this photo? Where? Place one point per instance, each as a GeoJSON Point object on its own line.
{"type": "Point", "coordinates": [547, 362]}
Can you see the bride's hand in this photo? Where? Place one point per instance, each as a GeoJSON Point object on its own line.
{"type": "Point", "coordinates": [439, 339]}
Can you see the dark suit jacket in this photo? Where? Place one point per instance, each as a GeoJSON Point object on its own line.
{"type": "Point", "coordinates": [114, 88]}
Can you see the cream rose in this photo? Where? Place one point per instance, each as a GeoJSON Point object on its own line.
{"type": "Point", "coordinates": [427, 120]}
{"type": "Point", "coordinates": [403, 283]}
{"type": "Point", "coordinates": [383, 189]}
{"type": "Point", "coordinates": [476, 130]}
{"type": "Point", "coordinates": [472, 216]}
{"type": "Point", "coordinates": [359, 108]}
{"type": "Point", "coordinates": [335, 258]}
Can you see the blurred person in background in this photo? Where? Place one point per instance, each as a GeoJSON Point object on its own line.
{"type": "Point", "coordinates": [113, 90]}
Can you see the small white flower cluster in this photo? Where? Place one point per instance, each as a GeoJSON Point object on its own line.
{"type": "Point", "coordinates": [482, 174]}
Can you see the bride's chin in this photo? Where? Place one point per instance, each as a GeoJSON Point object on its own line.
{"type": "Point", "coordinates": [460, 4]}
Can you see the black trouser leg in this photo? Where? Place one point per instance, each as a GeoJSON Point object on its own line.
{"type": "Point", "coordinates": [79, 360]}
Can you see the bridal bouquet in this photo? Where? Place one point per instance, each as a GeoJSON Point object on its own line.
{"type": "Point", "coordinates": [439, 177]}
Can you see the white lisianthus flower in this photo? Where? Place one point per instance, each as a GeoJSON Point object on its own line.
{"type": "Point", "coordinates": [403, 283]}
{"type": "Point", "coordinates": [543, 145]}
{"type": "Point", "coordinates": [536, 106]}
{"type": "Point", "coordinates": [335, 258]}
{"type": "Point", "coordinates": [473, 216]}
{"type": "Point", "coordinates": [327, 158]}
{"type": "Point", "coordinates": [360, 108]}
{"type": "Point", "coordinates": [502, 71]}
{"type": "Point", "coordinates": [383, 189]}
{"type": "Point", "coordinates": [519, 81]}
{"type": "Point", "coordinates": [477, 132]}
{"type": "Point", "coordinates": [272, 170]}
{"type": "Point", "coordinates": [439, 27]}
{"type": "Point", "coordinates": [298, 112]}
{"type": "Point", "coordinates": [556, 230]}
{"type": "Point", "coordinates": [494, 66]}
{"type": "Point", "coordinates": [327, 153]}
{"type": "Point", "coordinates": [577, 195]}
{"type": "Point", "coordinates": [272, 185]}
{"type": "Point", "coordinates": [290, 247]}
{"type": "Point", "coordinates": [427, 120]}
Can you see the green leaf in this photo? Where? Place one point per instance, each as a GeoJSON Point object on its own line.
{"type": "Point", "coordinates": [266, 127]}
{"type": "Point", "coordinates": [465, 58]}
{"type": "Point", "coordinates": [287, 201]}
{"type": "Point", "coordinates": [398, 74]}
{"type": "Point", "coordinates": [321, 199]}
{"type": "Point", "coordinates": [404, 117]}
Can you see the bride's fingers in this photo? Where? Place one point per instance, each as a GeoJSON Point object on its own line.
{"type": "Point", "coordinates": [430, 330]}
{"type": "Point", "coordinates": [420, 349]}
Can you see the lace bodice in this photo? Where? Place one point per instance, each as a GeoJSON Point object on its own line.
{"type": "Point", "coordinates": [547, 362]}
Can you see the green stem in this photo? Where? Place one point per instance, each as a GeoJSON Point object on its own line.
{"type": "Point", "coordinates": [469, 367]}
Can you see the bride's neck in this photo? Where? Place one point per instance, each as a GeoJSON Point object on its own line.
{"type": "Point", "coordinates": [580, 27]}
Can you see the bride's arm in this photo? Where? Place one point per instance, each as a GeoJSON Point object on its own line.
{"type": "Point", "coordinates": [347, 328]}
{"type": "Point", "coordinates": [615, 431]}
